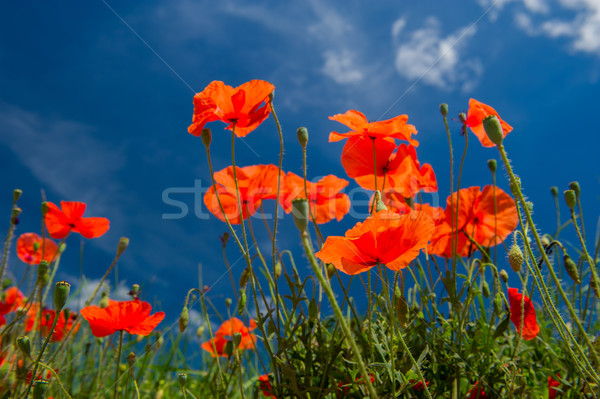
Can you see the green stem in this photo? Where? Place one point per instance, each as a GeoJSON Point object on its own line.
{"type": "Point", "coordinates": [338, 314]}
{"type": "Point", "coordinates": [9, 236]}
{"type": "Point", "coordinates": [42, 349]}
{"type": "Point", "coordinates": [117, 368]}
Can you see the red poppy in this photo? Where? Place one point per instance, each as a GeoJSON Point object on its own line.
{"type": "Point", "coordinates": [225, 334]}
{"type": "Point", "coordinates": [476, 218]}
{"type": "Point", "coordinates": [60, 222]}
{"type": "Point", "coordinates": [344, 387]}
{"type": "Point", "coordinates": [240, 106]}
{"type": "Point", "coordinates": [325, 199]}
{"type": "Point", "coordinates": [552, 383]}
{"type": "Point", "coordinates": [419, 385]}
{"type": "Point", "coordinates": [62, 326]}
{"type": "Point", "coordinates": [477, 392]}
{"type": "Point", "coordinates": [397, 203]}
{"type": "Point", "coordinates": [530, 326]}
{"type": "Point", "coordinates": [31, 246]}
{"type": "Point", "coordinates": [131, 316]}
{"type": "Point", "coordinates": [11, 300]}
{"type": "Point", "coordinates": [385, 237]}
{"type": "Point", "coordinates": [478, 111]}
{"type": "Point", "coordinates": [264, 384]}
{"type": "Point", "coordinates": [357, 122]}
{"type": "Point", "coordinates": [399, 170]}
{"type": "Point", "coordinates": [255, 183]}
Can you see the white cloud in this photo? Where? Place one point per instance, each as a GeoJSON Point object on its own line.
{"type": "Point", "coordinates": [340, 66]}
{"type": "Point", "coordinates": [428, 56]}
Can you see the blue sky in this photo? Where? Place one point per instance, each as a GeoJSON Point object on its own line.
{"type": "Point", "coordinates": [96, 98]}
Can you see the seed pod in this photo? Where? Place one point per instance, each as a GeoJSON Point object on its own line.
{"type": "Point", "coordinates": [300, 213]}
{"type": "Point", "coordinates": [17, 194]}
{"type": "Point", "coordinates": [504, 276]}
{"type": "Point", "coordinates": [515, 257]}
{"type": "Point", "coordinates": [570, 199]}
{"type": "Point", "coordinates": [39, 388]}
{"type": "Point", "coordinates": [574, 185]}
{"type": "Point", "coordinates": [182, 379]}
{"type": "Point", "coordinates": [122, 246]}
{"type": "Point", "coordinates": [61, 294]}
{"type": "Point", "coordinates": [302, 133]}
{"type": "Point", "coordinates": [492, 165]}
{"type": "Point", "coordinates": [571, 267]}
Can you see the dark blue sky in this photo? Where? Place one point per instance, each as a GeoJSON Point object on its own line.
{"type": "Point", "coordinates": [96, 97]}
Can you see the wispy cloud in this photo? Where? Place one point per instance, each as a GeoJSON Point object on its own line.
{"type": "Point", "coordinates": [434, 58]}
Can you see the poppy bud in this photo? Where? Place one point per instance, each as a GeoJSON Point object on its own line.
{"type": "Point", "coordinates": [200, 331]}
{"type": "Point", "coordinates": [159, 340]}
{"type": "Point", "coordinates": [39, 388]}
{"type": "Point", "coordinates": [224, 238]}
{"type": "Point", "coordinates": [554, 191]}
{"type": "Point", "coordinates": [594, 284]}
{"type": "Point", "coordinates": [492, 165]}
{"type": "Point", "coordinates": [17, 194]}
{"type": "Point", "coordinates": [228, 302]}
{"type": "Point", "coordinates": [504, 276]}
{"type": "Point", "coordinates": [62, 247]}
{"type": "Point", "coordinates": [462, 117]}
{"type": "Point", "coordinates": [131, 359]}
{"type": "Point", "coordinates": [184, 318]}
{"type": "Point", "coordinates": [498, 304]}
{"type": "Point", "coordinates": [302, 133]}
{"type": "Point", "coordinates": [570, 199]}
{"type": "Point", "coordinates": [574, 185]}
{"type": "Point", "coordinates": [516, 186]}
{"type": "Point", "coordinates": [43, 275]}
{"type": "Point", "coordinates": [36, 246]}
{"type": "Point", "coordinates": [103, 300]}
{"type": "Point", "coordinates": [242, 302]}
{"type": "Point", "coordinates": [61, 294]}
{"type": "Point", "coordinates": [182, 379]}
{"type": "Point", "coordinates": [228, 350]}
{"type": "Point", "coordinates": [44, 208]}
{"type": "Point", "coordinates": [24, 345]}
{"type": "Point", "coordinates": [515, 257]}
{"type": "Point", "coordinates": [330, 271]}
{"type": "Point", "coordinates": [571, 267]}
{"type": "Point", "coordinates": [300, 213]}
{"type": "Point", "coordinates": [379, 205]}
{"type": "Point", "coordinates": [493, 129]}
{"type": "Point", "coordinates": [529, 205]}
{"type": "Point", "coordinates": [444, 109]}
{"type": "Point", "coordinates": [122, 246]}
{"type": "Point", "coordinates": [485, 289]}
{"type": "Point", "coordinates": [244, 277]}
{"type": "Point", "coordinates": [206, 137]}
{"type": "Point", "coordinates": [277, 270]}
{"type": "Point", "coordinates": [67, 313]}
{"type": "Point", "coordinates": [546, 240]}
{"type": "Point", "coordinates": [16, 211]}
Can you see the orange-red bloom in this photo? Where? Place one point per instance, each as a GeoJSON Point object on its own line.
{"type": "Point", "coordinates": [530, 326]}
{"type": "Point", "coordinates": [478, 111]}
{"type": "Point", "coordinates": [31, 246]}
{"type": "Point", "coordinates": [552, 383]}
{"type": "Point", "coordinates": [385, 237]}
{"type": "Point", "coordinates": [12, 299]}
{"type": "Point", "coordinates": [326, 201]}
{"type": "Point", "coordinates": [397, 203]}
{"type": "Point", "coordinates": [60, 222]}
{"type": "Point", "coordinates": [265, 386]}
{"type": "Point", "coordinates": [399, 170]}
{"type": "Point", "coordinates": [225, 334]}
{"type": "Point", "coordinates": [131, 316]}
{"type": "Point", "coordinates": [239, 107]}
{"type": "Point", "coordinates": [476, 219]}
{"type": "Point", "coordinates": [255, 183]}
{"type": "Point", "coordinates": [62, 326]}
{"type": "Point", "coordinates": [477, 392]}
{"type": "Point", "coordinates": [357, 122]}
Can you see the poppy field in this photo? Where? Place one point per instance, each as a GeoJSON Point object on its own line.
{"type": "Point", "coordinates": [462, 299]}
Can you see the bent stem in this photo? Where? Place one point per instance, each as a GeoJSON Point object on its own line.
{"type": "Point", "coordinates": [338, 314]}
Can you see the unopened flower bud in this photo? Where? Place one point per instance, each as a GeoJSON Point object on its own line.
{"type": "Point", "coordinates": [206, 137]}
{"type": "Point", "coordinates": [516, 186]}
{"type": "Point", "coordinates": [224, 238]}
{"type": "Point", "coordinates": [237, 339]}
{"type": "Point", "coordinates": [554, 191]}
{"type": "Point", "coordinates": [242, 302]}
{"type": "Point", "coordinates": [184, 318]}
{"type": "Point", "coordinates": [570, 199]}
{"type": "Point", "coordinates": [103, 300]}
{"type": "Point", "coordinates": [330, 271]}
{"type": "Point", "coordinates": [228, 302]}
{"type": "Point", "coordinates": [574, 185]}
{"type": "Point", "coordinates": [244, 277]}
{"type": "Point", "coordinates": [302, 133]}
{"type": "Point", "coordinates": [492, 165]}
{"type": "Point", "coordinates": [462, 117]}
{"type": "Point", "coordinates": [444, 109]}
{"type": "Point", "coordinates": [122, 246]}
{"type": "Point", "coordinates": [277, 270]}
{"type": "Point", "coordinates": [16, 211]}
{"type": "Point", "coordinates": [24, 345]}
{"type": "Point", "coordinates": [160, 340]}
{"type": "Point", "coordinates": [17, 194]}
{"type": "Point", "coordinates": [200, 331]}
{"type": "Point", "coordinates": [43, 272]}
{"type": "Point", "coordinates": [504, 276]}
{"type": "Point", "coordinates": [485, 289]}
{"type": "Point", "coordinates": [182, 379]}
{"type": "Point", "coordinates": [44, 208]}
{"type": "Point", "coordinates": [379, 205]}
{"type": "Point", "coordinates": [493, 129]}
{"type": "Point", "coordinates": [229, 348]}
{"type": "Point", "coordinates": [498, 304]}
{"type": "Point", "coordinates": [39, 388]}
{"type": "Point", "coordinates": [61, 248]}
{"type": "Point", "coordinates": [61, 294]}
{"type": "Point", "coordinates": [515, 257]}
{"type": "Point", "coordinates": [300, 213]}
{"type": "Point", "coordinates": [571, 267]}
{"type": "Point", "coordinates": [131, 359]}
{"type": "Point", "coordinates": [546, 240]}
{"type": "Point", "coordinates": [36, 246]}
